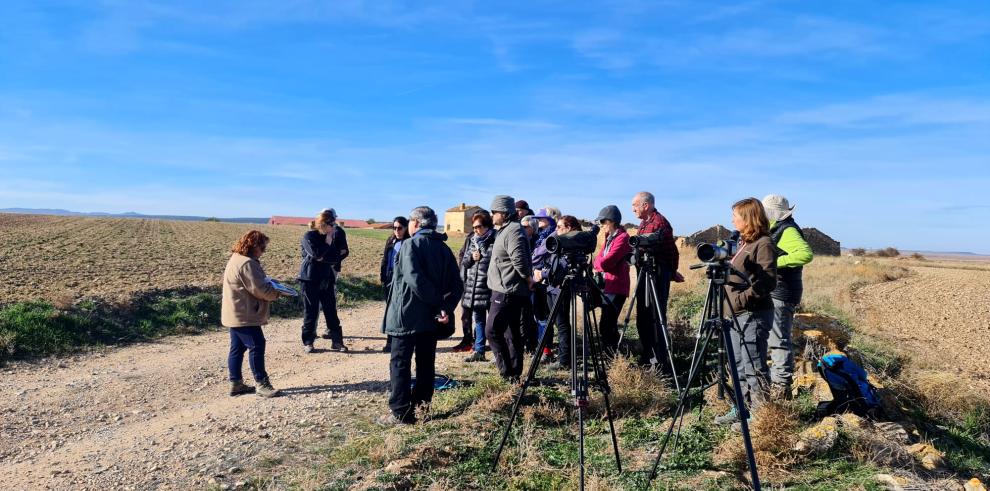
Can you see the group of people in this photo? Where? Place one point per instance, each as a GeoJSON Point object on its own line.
{"type": "Point", "coordinates": [502, 279]}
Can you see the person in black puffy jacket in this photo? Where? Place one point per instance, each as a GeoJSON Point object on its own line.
{"type": "Point", "coordinates": [400, 232]}
{"type": "Point", "coordinates": [321, 253]}
{"type": "Point", "coordinates": [474, 269]}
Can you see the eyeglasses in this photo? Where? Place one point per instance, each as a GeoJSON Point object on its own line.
{"type": "Point", "coordinates": [478, 227]}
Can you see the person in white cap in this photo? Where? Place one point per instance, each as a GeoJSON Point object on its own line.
{"type": "Point", "coordinates": [789, 238]}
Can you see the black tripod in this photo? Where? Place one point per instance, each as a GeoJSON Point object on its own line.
{"type": "Point", "coordinates": [646, 281]}
{"type": "Point", "coordinates": [714, 324]}
{"type": "Point", "coordinates": [576, 284]}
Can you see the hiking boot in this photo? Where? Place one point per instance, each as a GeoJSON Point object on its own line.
{"type": "Point", "coordinates": [338, 346]}
{"type": "Point", "coordinates": [237, 387]}
{"type": "Point", "coordinates": [728, 418]}
{"type": "Point", "coordinates": [475, 357]}
{"type": "Point", "coordinates": [780, 392]}
{"type": "Point", "coordinates": [387, 348]}
{"type": "Point", "coordinates": [265, 389]}
{"type": "Point", "coordinates": [307, 348]}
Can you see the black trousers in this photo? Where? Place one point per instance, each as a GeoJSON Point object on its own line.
{"type": "Point", "coordinates": [609, 324]}
{"type": "Point", "coordinates": [404, 398]}
{"type": "Point", "coordinates": [467, 325]}
{"type": "Point", "coordinates": [315, 297]}
{"type": "Point", "coordinates": [504, 334]}
{"type": "Point", "coordinates": [648, 325]}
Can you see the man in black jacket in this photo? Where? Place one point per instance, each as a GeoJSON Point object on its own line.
{"type": "Point", "coordinates": [426, 286]}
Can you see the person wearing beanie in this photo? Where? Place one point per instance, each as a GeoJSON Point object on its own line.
{"type": "Point", "coordinates": [611, 262]}
{"type": "Point", "coordinates": [789, 238]}
{"type": "Point", "coordinates": [510, 280]}
{"type": "Point", "coordinates": [522, 208]}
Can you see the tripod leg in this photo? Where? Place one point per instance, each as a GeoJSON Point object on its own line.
{"type": "Point", "coordinates": [601, 379]}
{"type": "Point", "coordinates": [658, 312]}
{"type": "Point", "coordinates": [741, 409]}
{"type": "Point", "coordinates": [530, 376]}
{"type": "Point", "coordinates": [629, 311]}
{"type": "Point", "coordinates": [579, 387]}
{"type": "Point", "coordinates": [681, 402]}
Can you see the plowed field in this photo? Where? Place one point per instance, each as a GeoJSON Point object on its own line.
{"type": "Point", "coordinates": [49, 257]}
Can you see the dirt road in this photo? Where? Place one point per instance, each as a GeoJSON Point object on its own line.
{"type": "Point", "coordinates": [157, 416]}
{"type": "Point", "coordinates": [941, 314]}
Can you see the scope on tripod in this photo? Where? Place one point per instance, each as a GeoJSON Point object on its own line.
{"type": "Point", "coordinates": [577, 242]}
{"type": "Point", "coordinates": [720, 251]}
{"type": "Point", "coordinates": [645, 241]}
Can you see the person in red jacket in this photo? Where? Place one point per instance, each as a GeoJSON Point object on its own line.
{"type": "Point", "coordinates": [666, 258]}
{"type": "Point", "coordinates": [612, 262]}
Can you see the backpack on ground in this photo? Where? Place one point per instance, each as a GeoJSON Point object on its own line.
{"type": "Point", "coordinates": [851, 390]}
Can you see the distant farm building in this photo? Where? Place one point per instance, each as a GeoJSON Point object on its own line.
{"type": "Point", "coordinates": [343, 222]}
{"type": "Point", "coordinates": [458, 218]}
{"type": "Point", "coordinates": [821, 244]}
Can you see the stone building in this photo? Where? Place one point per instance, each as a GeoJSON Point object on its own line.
{"type": "Point", "coordinates": [458, 218]}
{"type": "Point", "coordinates": [709, 235]}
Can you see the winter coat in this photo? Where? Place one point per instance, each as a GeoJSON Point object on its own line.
{"type": "Point", "coordinates": [247, 295]}
{"type": "Point", "coordinates": [758, 262]}
{"type": "Point", "coordinates": [475, 273]}
{"type": "Point", "coordinates": [790, 266]}
{"type": "Point", "coordinates": [338, 250]}
{"type": "Point", "coordinates": [614, 265]}
{"type": "Point", "coordinates": [511, 264]}
{"type": "Point", "coordinates": [424, 282]}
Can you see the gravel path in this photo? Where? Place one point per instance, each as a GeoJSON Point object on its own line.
{"type": "Point", "coordinates": [939, 314]}
{"type": "Point", "coordinates": [157, 416]}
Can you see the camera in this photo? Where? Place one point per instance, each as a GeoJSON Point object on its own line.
{"type": "Point", "coordinates": [577, 242]}
{"type": "Point", "coordinates": [722, 250]}
{"type": "Point", "coordinates": [646, 241]}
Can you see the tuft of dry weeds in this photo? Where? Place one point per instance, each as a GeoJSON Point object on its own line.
{"type": "Point", "coordinates": [773, 431]}
{"type": "Point", "coordinates": [940, 394]}
{"type": "Point", "coordinates": [390, 449]}
{"type": "Point", "coordinates": [636, 390]}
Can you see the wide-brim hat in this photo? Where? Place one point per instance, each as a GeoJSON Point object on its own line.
{"type": "Point", "coordinates": [777, 207]}
{"type": "Point", "coordinates": [504, 204]}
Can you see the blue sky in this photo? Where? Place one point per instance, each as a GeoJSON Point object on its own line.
{"type": "Point", "coordinates": [874, 118]}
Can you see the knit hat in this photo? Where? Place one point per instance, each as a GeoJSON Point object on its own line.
{"type": "Point", "coordinates": [610, 212]}
{"type": "Point", "coordinates": [522, 205]}
{"type": "Point", "coordinates": [504, 204]}
{"type": "Point", "coordinates": [777, 207]}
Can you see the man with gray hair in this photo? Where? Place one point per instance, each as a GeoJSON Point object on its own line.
{"type": "Point", "coordinates": [426, 287]}
{"type": "Point", "coordinates": [789, 238]}
{"type": "Point", "coordinates": [666, 257]}
{"type": "Point", "coordinates": [510, 279]}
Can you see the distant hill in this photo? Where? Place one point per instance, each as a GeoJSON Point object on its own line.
{"type": "Point", "coordinates": [129, 214]}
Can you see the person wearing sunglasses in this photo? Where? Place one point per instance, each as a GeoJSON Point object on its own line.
{"type": "Point", "coordinates": [400, 232]}
{"type": "Point", "coordinates": [474, 270]}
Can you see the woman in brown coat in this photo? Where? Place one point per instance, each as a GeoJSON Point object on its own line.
{"type": "Point", "coordinates": [247, 297]}
{"type": "Point", "coordinates": [754, 276]}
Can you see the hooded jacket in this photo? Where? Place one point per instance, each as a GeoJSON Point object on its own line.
{"type": "Point", "coordinates": [614, 265]}
{"type": "Point", "coordinates": [790, 239]}
{"type": "Point", "coordinates": [758, 262]}
{"type": "Point", "coordinates": [424, 282]}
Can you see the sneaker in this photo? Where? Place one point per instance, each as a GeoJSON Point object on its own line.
{"type": "Point", "coordinates": [307, 348]}
{"type": "Point", "coordinates": [237, 387]}
{"type": "Point", "coordinates": [390, 419]}
{"type": "Point", "coordinates": [475, 357]}
{"type": "Point", "coordinates": [463, 348]}
{"type": "Point", "coordinates": [728, 418]}
{"type": "Point", "coordinates": [265, 389]}
{"type": "Point", "coordinates": [338, 346]}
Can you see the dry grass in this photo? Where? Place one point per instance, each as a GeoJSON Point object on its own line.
{"type": "Point", "coordinates": [830, 282]}
{"type": "Point", "coordinates": [774, 432]}
{"type": "Point", "coordinates": [636, 390]}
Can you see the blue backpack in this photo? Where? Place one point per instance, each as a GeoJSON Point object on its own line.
{"type": "Point", "coordinates": [850, 387]}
